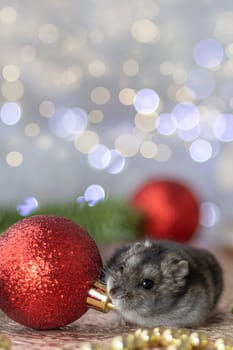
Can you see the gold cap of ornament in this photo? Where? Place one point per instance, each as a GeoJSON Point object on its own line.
{"type": "Point", "coordinates": [98, 298]}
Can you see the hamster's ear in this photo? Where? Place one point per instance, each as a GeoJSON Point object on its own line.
{"type": "Point", "coordinates": [140, 245]}
{"type": "Point", "coordinates": [174, 267]}
{"type": "Point", "coordinates": [181, 268]}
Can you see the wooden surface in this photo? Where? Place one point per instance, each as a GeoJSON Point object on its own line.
{"type": "Point", "coordinates": [101, 328]}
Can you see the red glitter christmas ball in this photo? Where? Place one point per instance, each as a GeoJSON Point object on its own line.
{"type": "Point", "coordinates": [171, 210]}
{"type": "Point", "coordinates": [47, 265]}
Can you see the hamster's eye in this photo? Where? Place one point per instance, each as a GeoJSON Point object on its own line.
{"type": "Point", "coordinates": [121, 268]}
{"type": "Point", "coordinates": [147, 283]}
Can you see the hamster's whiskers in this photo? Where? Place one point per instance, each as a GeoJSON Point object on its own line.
{"type": "Point", "coordinates": [106, 270]}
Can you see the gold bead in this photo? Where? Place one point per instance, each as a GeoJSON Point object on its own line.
{"type": "Point", "coordinates": [182, 332]}
{"type": "Point", "coordinates": [219, 344]}
{"type": "Point", "coordinates": [156, 336]}
{"type": "Point", "coordinates": [186, 345]}
{"type": "Point", "coordinates": [142, 338]}
{"type": "Point", "coordinates": [158, 330]}
{"type": "Point", "coordinates": [138, 332]}
{"type": "Point", "coordinates": [5, 342]}
{"type": "Point", "coordinates": [179, 344]}
{"type": "Point", "coordinates": [117, 343]}
{"type": "Point", "coordinates": [171, 347]}
{"type": "Point", "coordinates": [198, 339]}
{"type": "Point", "coordinates": [139, 338]}
{"type": "Point", "coordinates": [129, 342]}
{"type": "Point", "coordinates": [167, 336]}
{"type": "Point", "coordinates": [223, 344]}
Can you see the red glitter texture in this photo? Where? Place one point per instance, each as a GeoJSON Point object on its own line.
{"type": "Point", "coordinates": [171, 210]}
{"type": "Point", "coordinates": [47, 266]}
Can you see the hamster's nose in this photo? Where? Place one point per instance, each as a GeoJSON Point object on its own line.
{"type": "Point", "coordinates": [113, 291]}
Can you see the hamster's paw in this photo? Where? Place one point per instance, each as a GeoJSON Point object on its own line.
{"type": "Point", "coordinates": [122, 322]}
{"type": "Point", "coordinates": [118, 321]}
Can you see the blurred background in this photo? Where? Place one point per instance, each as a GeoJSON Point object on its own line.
{"type": "Point", "coordinates": [98, 96]}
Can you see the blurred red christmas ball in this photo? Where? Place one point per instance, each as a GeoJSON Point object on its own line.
{"type": "Point", "coordinates": [171, 210]}
{"type": "Point", "coordinates": [47, 266]}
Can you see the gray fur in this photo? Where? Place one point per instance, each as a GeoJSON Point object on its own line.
{"type": "Point", "coordinates": [187, 283]}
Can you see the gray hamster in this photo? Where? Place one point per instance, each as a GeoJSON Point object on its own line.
{"type": "Point", "coordinates": [161, 283]}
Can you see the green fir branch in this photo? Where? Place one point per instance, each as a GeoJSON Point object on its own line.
{"type": "Point", "coordinates": [107, 221]}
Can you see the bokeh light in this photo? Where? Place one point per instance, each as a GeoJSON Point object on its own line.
{"type": "Point", "coordinates": [47, 109]}
{"type": "Point", "coordinates": [191, 134]}
{"type": "Point", "coordinates": [117, 162]}
{"type": "Point", "coordinates": [97, 68]}
{"type": "Point", "coordinates": [93, 195]}
{"type": "Point", "coordinates": [48, 33]}
{"type": "Point", "coordinates": [210, 214]}
{"type": "Point", "coordinates": [148, 149]}
{"type": "Point", "coordinates": [166, 124]}
{"type": "Point", "coordinates": [146, 101]}
{"type": "Point", "coordinates": [144, 31]}
{"type": "Point", "coordinates": [100, 95]}
{"type": "Point", "coordinates": [131, 67]}
{"type": "Point", "coordinates": [99, 157]}
{"type": "Point", "coordinates": [200, 150]}
{"type": "Point", "coordinates": [11, 72]}
{"type": "Point", "coordinates": [68, 123]}
{"type": "Point", "coordinates": [201, 83]}
{"type": "Point", "coordinates": [10, 113]}
{"type": "Point", "coordinates": [126, 96]}
{"type": "Point", "coordinates": [32, 129]}
{"type": "Point", "coordinates": [95, 116]}
{"type": "Point", "coordinates": [28, 206]}
{"type": "Point", "coordinates": [71, 77]}
{"type": "Point", "coordinates": [187, 115]}
{"type": "Point", "coordinates": [223, 128]}
{"type": "Point", "coordinates": [8, 15]}
{"type": "Point", "coordinates": [127, 145]}
{"type": "Point", "coordinates": [14, 158]}
{"type": "Point", "coordinates": [86, 141]}
{"type": "Point", "coordinates": [208, 53]}
{"type": "Point", "coordinates": [45, 142]}
{"type": "Point", "coordinates": [12, 90]}
{"type": "Point", "coordinates": [145, 123]}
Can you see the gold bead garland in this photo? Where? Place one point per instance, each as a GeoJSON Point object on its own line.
{"type": "Point", "coordinates": [5, 343]}
{"type": "Point", "coordinates": [168, 338]}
